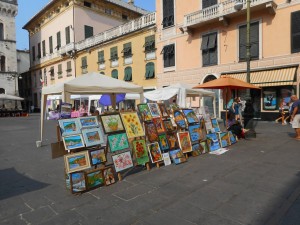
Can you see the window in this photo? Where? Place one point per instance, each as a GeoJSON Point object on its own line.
{"type": "Point", "coordinates": [88, 31]}
{"type": "Point", "coordinates": [124, 17]}
{"type": "Point", "coordinates": [127, 50]}
{"type": "Point", "coordinates": [69, 68]}
{"type": "Point", "coordinates": [2, 91]}
{"type": "Point", "coordinates": [169, 55]}
{"type": "Point", "coordinates": [59, 71]}
{"type": "Point", "coordinates": [67, 30]}
{"type": "Point", "coordinates": [150, 43]}
{"type": "Point", "coordinates": [44, 48]}
{"type": "Point", "coordinates": [114, 74]}
{"type": "Point", "coordinates": [168, 13]}
{"type": "Point", "coordinates": [150, 73]}
{"type": "Point", "coordinates": [209, 49]}
{"type": "Point", "coordinates": [295, 32]}
{"type": "Point", "coordinates": [51, 71]}
{"type": "Point", "coordinates": [114, 53]}
{"type": "Point", "coordinates": [58, 40]}
{"type": "Point", "coordinates": [254, 41]}
{"type": "Point", "coordinates": [101, 57]}
{"type": "Point", "coordinates": [208, 3]}
{"type": "Point", "coordinates": [87, 4]}
{"type": "Point", "coordinates": [84, 64]}
{"type": "Point", "coordinates": [1, 32]}
{"type": "Point", "coordinates": [45, 77]}
{"type": "Point", "coordinates": [128, 74]}
{"type": "Point", "coordinates": [2, 63]}
{"type": "Point", "coordinates": [39, 51]}
{"type": "Point", "coordinates": [33, 53]}
{"type": "Point", "coordinates": [50, 45]}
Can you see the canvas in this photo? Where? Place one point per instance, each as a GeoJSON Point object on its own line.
{"type": "Point", "coordinates": [203, 146]}
{"type": "Point", "coordinates": [185, 141]}
{"type": "Point", "coordinates": [215, 125]}
{"type": "Point", "coordinates": [140, 152]}
{"type": "Point", "coordinates": [195, 132]}
{"type": "Point", "coordinates": [224, 139]}
{"type": "Point", "coordinates": [154, 109]}
{"type": "Point", "coordinates": [68, 181]}
{"type": "Point", "coordinates": [168, 125]}
{"type": "Point", "coordinates": [151, 132]}
{"type": "Point", "coordinates": [112, 123]}
{"type": "Point", "coordinates": [232, 138]}
{"type": "Point", "coordinates": [163, 142]}
{"type": "Point", "coordinates": [163, 110]}
{"type": "Point", "coordinates": [94, 178]}
{"type": "Point", "coordinates": [118, 142]}
{"type": "Point", "coordinates": [73, 142]}
{"type": "Point", "coordinates": [196, 149]}
{"type": "Point", "coordinates": [190, 116]}
{"type": "Point", "coordinates": [89, 121]}
{"type": "Point", "coordinates": [213, 142]}
{"type": "Point", "coordinates": [97, 156]}
{"type": "Point", "coordinates": [145, 112]}
{"type": "Point", "coordinates": [179, 119]}
{"type": "Point", "coordinates": [173, 141]}
{"type": "Point", "coordinates": [78, 183]}
{"type": "Point", "coordinates": [109, 176]}
{"type": "Point", "coordinates": [155, 152]}
{"type": "Point", "coordinates": [177, 156]}
{"type": "Point", "coordinates": [69, 127]}
{"type": "Point", "coordinates": [203, 129]}
{"type": "Point", "coordinates": [159, 125]}
{"type": "Point", "coordinates": [132, 124]}
{"type": "Point", "coordinates": [92, 136]}
{"type": "Point", "coordinates": [77, 161]}
{"type": "Point", "coordinates": [122, 161]}
{"type": "Point", "coordinates": [65, 110]}
{"type": "Point", "coordinates": [166, 158]}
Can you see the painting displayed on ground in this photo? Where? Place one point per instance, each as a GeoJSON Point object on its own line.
{"type": "Point", "coordinates": [190, 116]}
{"type": "Point", "coordinates": [69, 127]}
{"type": "Point", "coordinates": [151, 132]}
{"type": "Point", "coordinates": [97, 156]}
{"type": "Point", "coordinates": [118, 142]}
{"type": "Point", "coordinates": [73, 142]}
{"type": "Point", "coordinates": [94, 179]}
{"type": "Point", "coordinates": [195, 132]}
{"type": "Point", "coordinates": [177, 156]}
{"type": "Point", "coordinates": [270, 99]}
{"type": "Point", "coordinates": [77, 161]}
{"type": "Point", "coordinates": [184, 141]}
{"type": "Point", "coordinates": [203, 146]}
{"type": "Point", "coordinates": [169, 126]}
{"type": "Point", "coordinates": [109, 176]}
{"type": "Point", "coordinates": [203, 129]}
{"type": "Point", "coordinates": [224, 139]}
{"type": "Point", "coordinates": [122, 161]}
{"type": "Point", "coordinates": [132, 124]}
{"type": "Point", "coordinates": [159, 125]}
{"type": "Point", "coordinates": [78, 182]}
{"type": "Point", "coordinates": [196, 149]}
{"type": "Point", "coordinates": [92, 136]}
{"type": "Point", "coordinates": [215, 125]}
{"type": "Point", "coordinates": [213, 142]}
{"type": "Point", "coordinates": [89, 121]}
{"type": "Point", "coordinates": [112, 123]}
{"type": "Point", "coordinates": [140, 152]}
{"type": "Point", "coordinates": [145, 112]}
{"type": "Point", "coordinates": [65, 110]}
{"type": "Point", "coordinates": [179, 119]}
{"type": "Point", "coordinates": [232, 138]}
{"type": "Point", "coordinates": [166, 158]}
{"type": "Point", "coordinates": [155, 152]}
{"type": "Point", "coordinates": [163, 142]}
{"type": "Point", "coordinates": [173, 141]}
{"type": "Point", "coordinates": [154, 109]}
{"type": "Point", "coordinates": [163, 110]}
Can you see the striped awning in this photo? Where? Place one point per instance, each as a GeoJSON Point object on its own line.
{"type": "Point", "coordinates": [268, 78]}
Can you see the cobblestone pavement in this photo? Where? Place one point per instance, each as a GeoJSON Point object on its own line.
{"type": "Point", "coordinates": [256, 182]}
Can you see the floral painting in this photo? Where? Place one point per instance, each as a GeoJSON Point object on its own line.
{"type": "Point", "coordinates": [69, 127]}
{"type": "Point", "coordinates": [151, 132]}
{"type": "Point", "coordinates": [145, 112]}
{"type": "Point", "coordinates": [132, 124]}
{"type": "Point", "coordinates": [73, 142]}
{"type": "Point", "coordinates": [196, 149]}
{"type": "Point", "coordinates": [159, 125]}
{"type": "Point", "coordinates": [92, 136]}
{"type": "Point", "coordinates": [179, 119]}
{"type": "Point", "coordinates": [163, 142]}
{"type": "Point", "coordinates": [118, 142]}
{"type": "Point", "coordinates": [173, 141]}
{"type": "Point", "coordinates": [77, 161]}
{"type": "Point", "coordinates": [195, 132]}
{"type": "Point", "coordinates": [97, 156]}
{"type": "Point", "coordinates": [155, 152]}
{"type": "Point", "coordinates": [94, 179]}
{"type": "Point", "coordinates": [213, 142]}
{"type": "Point", "coordinates": [78, 183]}
{"type": "Point", "coordinates": [215, 125]}
{"type": "Point", "coordinates": [163, 110]}
{"type": "Point", "coordinates": [140, 152]}
{"type": "Point", "coordinates": [190, 116]}
{"type": "Point", "coordinates": [203, 147]}
{"type": "Point", "coordinates": [232, 138]}
{"type": "Point", "coordinates": [112, 123]}
{"type": "Point", "coordinates": [89, 121]}
{"type": "Point", "coordinates": [122, 161]}
{"type": "Point", "coordinates": [169, 126]}
{"type": "Point", "coordinates": [184, 141]}
{"type": "Point", "coordinates": [177, 156]}
{"type": "Point", "coordinates": [224, 139]}
{"type": "Point", "coordinates": [155, 112]}
{"type": "Point", "coordinates": [109, 176]}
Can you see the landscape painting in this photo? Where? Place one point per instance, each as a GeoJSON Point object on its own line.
{"type": "Point", "coordinates": [112, 123]}
{"type": "Point", "coordinates": [224, 139]}
{"type": "Point", "coordinates": [89, 121]}
{"type": "Point", "coordinates": [92, 136]}
{"type": "Point", "coordinates": [195, 132]}
{"type": "Point", "coordinates": [77, 161]}
{"type": "Point", "coordinates": [155, 152]}
{"type": "Point", "coordinates": [140, 152]}
{"type": "Point", "coordinates": [196, 149]}
{"type": "Point", "coordinates": [184, 141]}
{"type": "Point", "coordinates": [132, 124]}
{"type": "Point", "coordinates": [118, 142]}
{"type": "Point", "coordinates": [151, 132]}
{"type": "Point", "coordinates": [78, 183]}
{"type": "Point", "coordinates": [215, 125]}
{"type": "Point", "coordinates": [179, 119]}
{"type": "Point", "coordinates": [94, 179]}
{"type": "Point", "coordinates": [73, 142]}
{"type": "Point", "coordinates": [145, 112]}
{"type": "Point", "coordinates": [97, 156]}
{"type": "Point", "coordinates": [213, 142]}
{"type": "Point", "coordinates": [177, 156]}
{"type": "Point", "coordinates": [190, 116]}
{"type": "Point", "coordinates": [69, 127]}
{"type": "Point", "coordinates": [109, 176]}
{"type": "Point", "coordinates": [122, 161]}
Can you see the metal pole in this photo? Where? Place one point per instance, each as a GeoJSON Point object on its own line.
{"type": "Point", "coordinates": [248, 45]}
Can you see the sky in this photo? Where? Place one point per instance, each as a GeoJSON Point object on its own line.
{"type": "Point", "coordinates": [28, 8]}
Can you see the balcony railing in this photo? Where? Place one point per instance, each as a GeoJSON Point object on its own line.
{"type": "Point", "coordinates": [67, 48]}
{"type": "Point", "coordinates": [219, 10]}
{"type": "Point", "coordinates": [144, 21]}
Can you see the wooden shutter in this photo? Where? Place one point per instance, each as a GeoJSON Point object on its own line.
{"type": "Point", "coordinates": [172, 55]}
{"type": "Point", "coordinates": [295, 32]}
{"type": "Point", "coordinates": [149, 70]}
{"type": "Point", "coordinates": [58, 40]}
{"type": "Point", "coordinates": [44, 48]}
{"type": "Point", "coordinates": [101, 56]}
{"type": "Point", "coordinates": [205, 57]}
{"type": "Point", "coordinates": [128, 74]}
{"type": "Point", "coordinates": [213, 56]}
{"type": "Point", "coordinates": [242, 42]}
{"type": "Point", "coordinates": [204, 44]}
{"type": "Point", "coordinates": [1, 32]}
{"type": "Point", "coordinates": [69, 67]}
{"type": "Point", "coordinates": [127, 49]}
{"type": "Point", "coordinates": [67, 35]}
{"type": "Point", "coordinates": [50, 45]}
{"type": "Point", "coordinates": [114, 74]}
{"type": "Point", "coordinates": [88, 31]}
{"type": "Point", "coordinates": [212, 41]}
{"type": "Point", "coordinates": [114, 53]}
{"type": "Point", "coordinates": [83, 62]}
{"type": "Point", "coordinates": [254, 40]}
{"type": "Point", "coordinates": [39, 50]}
{"type": "Point", "coordinates": [168, 13]}
{"type": "Point", "coordinates": [33, 53]}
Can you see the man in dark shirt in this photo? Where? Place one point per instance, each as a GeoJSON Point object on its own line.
{"type": "Point", "coordinates": [295, 117]}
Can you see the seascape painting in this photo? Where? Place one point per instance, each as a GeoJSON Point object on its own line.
{"type": "Point", "coordinates": [179, 119]}
{"type": "Point", "coordinates": [78, 183]}
{"type": "Point", "coordinates": [69, 127]}
{"type": "Point", "coordinates": [89, 121]}
{"type": "Point", "coordinates": [97, 156]}
{"type": "Point", "coordinates": [213, 142]}
{"type": "Point", "coordinates": [190, 116]}
{"type": "Point", "coordinates": [215, 125]}
{"type": "Point", "coordinates": [224, 139]}
{"type": "Point", "coordinates": [177, 156]}
{"type": "Point", "coordinates": [232, 138]}
{"type": "Point", "coordinates": [195, 132]}
{"type": "Point", "coordinates": [73, 142]}
{"type": "Point", "coordinates": [92, 136]}
{"type": "Point", "coordinates": [77, 161]}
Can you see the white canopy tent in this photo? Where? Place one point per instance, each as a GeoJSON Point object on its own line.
{"type": "Point", "coordinates": [10, 97]}
{"type": "Point", "coordinates": [88, 84]}
{"type": "Point", "coordinates": [182, 91]}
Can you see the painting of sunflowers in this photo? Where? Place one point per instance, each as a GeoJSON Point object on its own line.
{"type": "Point", "coordinates": [132, 124]}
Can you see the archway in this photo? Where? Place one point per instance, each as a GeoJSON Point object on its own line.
{"type": "Point", "coordinates": [2, 91]}
{"type": "Point", "coordinates": [207, 101]}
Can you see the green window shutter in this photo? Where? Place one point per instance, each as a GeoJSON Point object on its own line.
{"type": "Point", "coordinates": [101, 56]}
{"type": "Point", "coordinates": [114, 53]}
{"type": "Point", "coordinates": [58, 38]}
{"type": "Point", "coordinates": [127, 49]}
{"type": "Point", "coordinates": [88, 31]}
{"type": "Point", "coordinates": [149, 43]}
{"type": "Point", "coordinates": [39, 50]}
{"type": "Point", "coordinates": [254, 40]}
{"type": "Point", "coordinates": [295, 32]}
{"type": "Point", "coordinates": [50, 45]}
{"type": "Point", "coordinates": [59, 68]}
{"type": "Point", "coordinates": [114, 74]}
{"type": "Point", "coordinates": [212, 41]}
{"type": "Point", "coordinates": [204, 44]}
{"type": "Point", "coordinates": [242, 42]}
{"type": "Point", "coordinates": [67, 29]}
{"type": "Point", "coordinates": [69, 67]}
{"type": "Point", "coordinates": [149, 70]}
{"type": "Point", "coordinates": [128, 74]}
{"type": "Point", "coordinates": [83, 62]}
{"type": "Point", "coordinates": [44, 48]}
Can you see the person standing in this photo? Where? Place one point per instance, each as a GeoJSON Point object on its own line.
{"type": "Point", "coordinates": [295, 116]}
{"type": "Point", "coordinates": [235, 108]}
{"type": "Point", "coordinates": [281, 113]}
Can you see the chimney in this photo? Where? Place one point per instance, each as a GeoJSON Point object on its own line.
{"type": "Point", "coordinates": [131, 2]}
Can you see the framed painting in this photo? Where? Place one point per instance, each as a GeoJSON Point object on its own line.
{"type": "Point", "coordinates": [203, 129]}
{"type": "Point", "coordinates": [203, 146]}
{"type": "Point", "coordinates": [215, 125]}
{"type": "Point", "coordinates": [168, 125]}
{"type": "Point", "coordinates": [77, 161]}
{"type": "Point", "coordinates": [163, 142]}
{"type": "Point", "coordinates": [92, 136]}
{"type": "Point", "coordinates": [154, 109]}
{"type": "Point", "coordinates": [159, 125]}
{"type": "Point", "coordinates": [112, 123]}
{"type": "Point", "coordinates": [224, 139]}
{"type": "Point", "coordinates": [132, 124]}
{"type": "Point", "coordinates": [179, 119]}
{"type": "Point", "coordinates": [163, 110]}
{"type": "Point", "coordinates": [140, 152]}
{"type": "Point", "coordinates": [97, 156]}
{"type": "Point", "coordinates": [69, 127]}
{"type": "Point", "coordinates": [109, 176]}
{"type": "Point", "coordinates": [145, 112]}
{"type": "Point", "coordinates": [68, 181]}
{"type": "Point", "coordinates": [184, 141]}
{"type": "Point", "coordinates": [177, 156]}
{"type": "Point", "coordinates": [232, 138]}
{"type": "Point", "coordinates": [167, 159]}
{"type": "Point", "coordinates": [88, 121]}
{"type": "Point", "coordinates": [196, 149]}
{"type": "Point", "coordinates": [173, 141]}
{"type": "Point", "coordinates": [122, 161]}
{"type": "Point", "coordinates": [213, 142]}
{"type": "Point", "coordinates": [195, 132]}
{"type": "Point", "coordinates": [94, 179]}
{"type": "Point", "coordinates": [151, 132]}
{"type": "Point", "coordinates": [77, 181]}
{"type": "Point", "coordinates": [190, 116]}
{"type": "Point", "coordinates": [118, 142]}
{"type": "Point", "coordinates": [65, 110]}
{"type": "Point", "coordinates": [73, 142]}
{"type": "Point", "coordinates": [155, 152]}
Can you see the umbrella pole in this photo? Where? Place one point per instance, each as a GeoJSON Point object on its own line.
{"type": "Point", "coordinates": [226, 117]}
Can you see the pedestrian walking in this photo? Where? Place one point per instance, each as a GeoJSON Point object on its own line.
{"type": "Point", "coordinates": [295, 116]}
{"type": "Point", "coordinates": [281, 113]}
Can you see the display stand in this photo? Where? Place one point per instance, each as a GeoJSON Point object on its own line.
{"type": "Point", "coordinates": [58, 135]}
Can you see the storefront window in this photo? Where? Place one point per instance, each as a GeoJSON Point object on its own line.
{"type": "Point", "coordinates": [270, 99]}
{"type": "Point", "coordinates": [273, 96]}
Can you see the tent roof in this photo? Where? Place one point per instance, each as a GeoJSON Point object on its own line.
{"type": "Point", "coordinates": [10, 97]}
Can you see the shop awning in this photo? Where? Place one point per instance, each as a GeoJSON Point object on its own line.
{"type": "Point", "coordinates": [268, 78]}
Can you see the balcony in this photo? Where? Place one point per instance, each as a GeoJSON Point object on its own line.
{"type": "Point", "coordinates": [134, 25]}
{"type": "Point", "coordinates": [67, 49]}
{"type": "Point", "coordinates": [223, 11]}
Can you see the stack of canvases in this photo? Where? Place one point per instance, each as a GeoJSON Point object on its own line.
{"type": "Point", "coordinates": [84, 162]}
